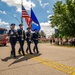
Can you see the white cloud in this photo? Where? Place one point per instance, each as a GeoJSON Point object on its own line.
{"type": "Point", "coordinates": [8, 27]}
{"type": "Point", "coordinates": [17, 4]}
{"type": "Point", "coordinates": [3, 12]}
{"type": "Point", "coordinates": [45, 23]}
{"type": "Point", "coordinates": [48, 11]}
{"type": "Point", "coordinates": [16, 27]}
{"type": "Point", "coordinates": [49, 16]}
{"type": "Point", "coordinates": [43, 4]}
{"type": "Point", "coordinates": [46, 27]}
{"type": "Point", "coordinates": [3, 23]}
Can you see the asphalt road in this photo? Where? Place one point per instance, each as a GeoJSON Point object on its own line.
{"type": "Point", "coordinates": [52, 60]}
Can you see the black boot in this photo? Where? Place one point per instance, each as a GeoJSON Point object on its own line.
{"type": "Point", "coordinates": [19, 52]}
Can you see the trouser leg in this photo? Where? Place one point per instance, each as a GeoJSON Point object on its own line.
{"type": "Point", "coordinates": [21, 47]}
{"type": "Point", "coordinates": [13, 48]}
{"type": "Point", "coordinates": [27, 48]}
{"type": "Point", "coordinates": [28, 44]}
{"type": "Point", "coordinates": [36, 46]}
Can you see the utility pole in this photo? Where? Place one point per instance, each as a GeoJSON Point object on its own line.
{"type": "Point", "coordinates": [21, 12]}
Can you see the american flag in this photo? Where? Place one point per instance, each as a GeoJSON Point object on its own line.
{"type": "Point", "coordinates": [26, 16]}
{"type": "Point", "coordinates": [24, 12]}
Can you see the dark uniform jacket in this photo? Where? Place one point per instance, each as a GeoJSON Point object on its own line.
{"type": "Point", "coordinates": [28, 36]}
{"type": "Point", "coordinates": [35, 36]}
{"type": "Point", "coordinates": [21, 34]}
{"type": "Point", "coordinates": [12, 34]}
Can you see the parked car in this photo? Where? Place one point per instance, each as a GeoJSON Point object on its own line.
{"type": "Point", "coordinates": [3, 36]}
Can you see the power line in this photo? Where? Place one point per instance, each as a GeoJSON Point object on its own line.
{"type": "Point", "coordinates": [11, 15]}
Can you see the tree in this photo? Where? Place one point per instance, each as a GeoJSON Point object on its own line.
{"type": "Point", "coordinates": [64, 17]}
{"type": "Point", "coordinates": [42, 34]}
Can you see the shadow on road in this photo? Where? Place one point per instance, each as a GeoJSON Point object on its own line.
{"type": "Point", "coordinates": [20, 58]}
{"type": "Point", "coordinates": [26, 57]}
{"type": "Point", "coordinates": [8, 58]}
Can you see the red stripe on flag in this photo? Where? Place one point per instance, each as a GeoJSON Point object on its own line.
{"type": "Point", "coordinates": [26, 16]}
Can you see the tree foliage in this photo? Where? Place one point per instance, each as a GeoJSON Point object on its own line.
{"type": "Point", "coordinates": [64, 17]}
{"type": "Point", "coordinates": [42, 34]}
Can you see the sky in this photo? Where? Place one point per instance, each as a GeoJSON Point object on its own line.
{"type": "Point", "coordinates": [10, 12]}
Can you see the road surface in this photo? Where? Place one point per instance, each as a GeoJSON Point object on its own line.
{"type": "Point", "coordinates": [52, 60]}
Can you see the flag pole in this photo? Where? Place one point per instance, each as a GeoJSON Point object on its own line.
{"type": "Point", "coordinates": [21, 12]}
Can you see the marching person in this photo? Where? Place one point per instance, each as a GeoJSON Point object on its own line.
{"type": "Point", "coordinates": [12, 39]}
{"type": "Point", "coordinates": [21, 39]}
{"type": "Point", "coordinates": [28, 39]}
{"type": "Point", "coordinates": [35, 38]}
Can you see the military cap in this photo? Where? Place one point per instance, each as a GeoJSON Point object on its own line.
{"type": "Point", "coordinates": [28, 28]}
{"type": "Point", "coordinates": [12, 24]}
{"type": "Point", "coordinates": [20, 24]}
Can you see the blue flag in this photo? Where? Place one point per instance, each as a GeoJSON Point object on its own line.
{"type": "Point", "coordinates": [35, 22]}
